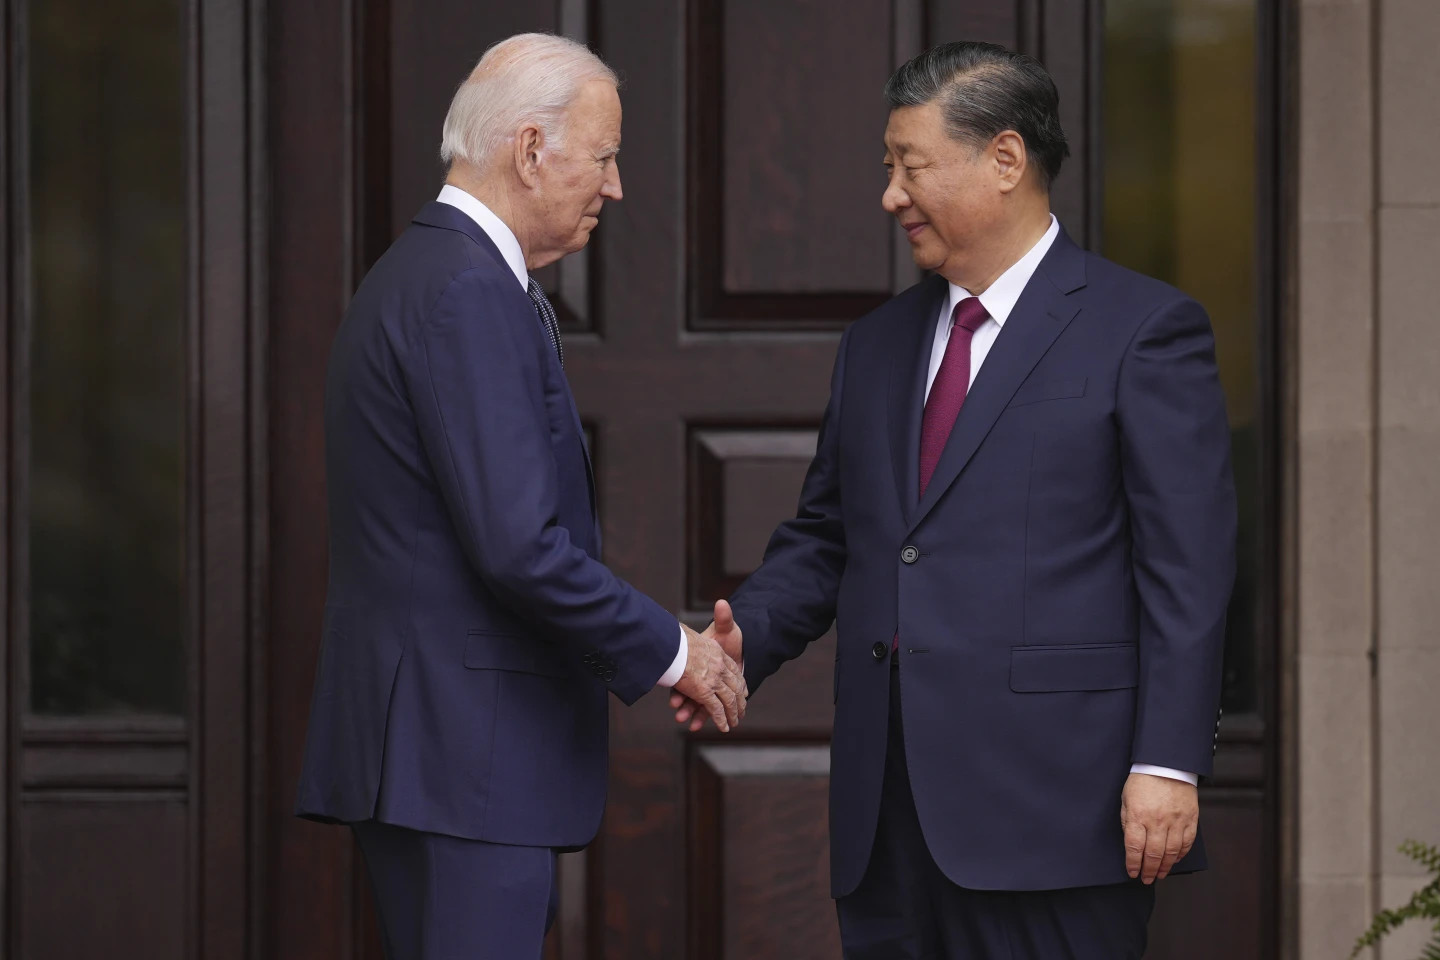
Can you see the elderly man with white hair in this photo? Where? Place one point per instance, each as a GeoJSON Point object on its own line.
{"type": "Point", "coordinates": [471, 633]}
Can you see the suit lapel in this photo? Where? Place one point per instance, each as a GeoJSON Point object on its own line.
{"type": "Point", "coordinates": [1040, 315]}
{"type": "Point", "coordinates": [589, 467]}
{"type": "Point", "coordinates": [909, 366]}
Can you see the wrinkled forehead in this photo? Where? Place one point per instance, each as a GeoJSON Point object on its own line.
{"type": "Point", "coordinates": [595, 113]}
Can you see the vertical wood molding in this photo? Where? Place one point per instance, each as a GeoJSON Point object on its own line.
{"type": "Point", "coordinates": [310, 263]}
{"type": "Point", "coordinates": [258, 437]}
{"type": "Point", "coordinates": [1279, 40]}
{"type": "Point", "coordinates": [1067, 37]}
{"type": "Point", "coordinates": [8, 746]}
{"type": "Point", "coordinates": [220, 731]}
{"type": "Point", "coordinates": [908, 40]}
{"type": "Point", "coordinates": [194, 509]}
{"type": "Point", "coordinates": [17, 283]}
{"type": "Point", "coordinates": [367, 50]}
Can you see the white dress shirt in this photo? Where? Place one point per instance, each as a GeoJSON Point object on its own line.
{"type": "Point", "coordinates": [504, 239]}
{"type": "Point", "coordinates": [998, 301]}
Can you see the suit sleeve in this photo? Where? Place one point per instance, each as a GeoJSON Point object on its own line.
{"type": "Point", "coordinates": [1175, 466]}
{"type": "Point", "coordinates": [791, 599]}
{"type": "Point", "coordinates": [476, 379]}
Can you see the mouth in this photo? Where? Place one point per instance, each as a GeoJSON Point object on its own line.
{"type": "Point", "coordinates": [913, 230]}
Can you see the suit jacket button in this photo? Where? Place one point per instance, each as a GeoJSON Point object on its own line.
{"type": "Point", "coordinates": [879, 650]}
{"type": "Point", "coordinates": [909, 554]}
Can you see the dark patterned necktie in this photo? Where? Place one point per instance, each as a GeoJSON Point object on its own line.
{"type": "Point", "coordinates": [547, 317]}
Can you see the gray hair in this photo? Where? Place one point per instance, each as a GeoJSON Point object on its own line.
{"type": "Point", "coordinates": [982, 90]}
{"type": "Point", "coordinates": [528, 78]}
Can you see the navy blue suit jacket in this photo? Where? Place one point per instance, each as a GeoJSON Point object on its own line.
{"type": "Point", "coordinates": [1061, 614]}
{"type": "Point", "coordinates": [470, 631]}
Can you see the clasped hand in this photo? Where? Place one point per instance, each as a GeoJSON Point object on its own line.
{"type": "Point", "coordinates": [721, 642]}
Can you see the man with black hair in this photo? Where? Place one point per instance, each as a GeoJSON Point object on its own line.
{"type": "Point", "coordinates": [1021, 518]}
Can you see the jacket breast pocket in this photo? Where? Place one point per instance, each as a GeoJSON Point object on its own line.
{"type": "Point", "coordinates": [503, 651]}
{"type": "Point", "coordinates": [1048, 390]}
{"type": "Point", "coordinates": [1074, 666]}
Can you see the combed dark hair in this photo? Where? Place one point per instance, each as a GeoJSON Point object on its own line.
{"type": "Point", "coordinates": [983, 89]}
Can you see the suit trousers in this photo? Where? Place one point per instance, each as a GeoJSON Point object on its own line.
{"type": "Point", "coordinates": [907, 909]}
{"type": "Point", "coordinates": [444, 898]}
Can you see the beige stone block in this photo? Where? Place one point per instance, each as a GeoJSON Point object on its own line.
{"type": "Point", "coordinates": [1336, 804]}
{"type": "Point", "coordinates": [1334, 585]}
{"type": "Point", "coordinates": [1333, 913]}
{"type": "Point", "coordinates": [1406, 942]}
{"type": "Point", "coordinates": [1335, 328]}
{"type": "Point", "coordinates": [1409, 755]}
{"type": "Point", "coordinates": [1336, 122]}
{"type": "Point", "coordinates": [1409, 100]}
{"type": "Point", "coordinates": [1408, 541]}
{"type": "Point", "coordinates": [1409, 341]}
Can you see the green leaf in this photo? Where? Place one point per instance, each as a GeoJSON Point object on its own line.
{"type": "Point", "coordinates": [1424, 904]}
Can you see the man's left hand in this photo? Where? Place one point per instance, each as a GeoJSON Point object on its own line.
{"type": "Point", "coordinates": [1160, 817]}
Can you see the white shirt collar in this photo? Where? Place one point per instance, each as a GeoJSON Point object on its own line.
{"type": "Point", "coordinates": [1000, 298]}
{"type": "Point", "coordinates": [501, 235]}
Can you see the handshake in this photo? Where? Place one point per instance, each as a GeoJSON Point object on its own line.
{"type": "Point", "coordinates": [713, 682]}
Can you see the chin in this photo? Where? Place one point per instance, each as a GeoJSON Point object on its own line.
{"type": "Point", "coordinates": [927, 259]}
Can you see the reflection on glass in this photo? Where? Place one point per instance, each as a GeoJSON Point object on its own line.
{"type": "Point", "coordinates": [107, 201]}
{"type": "Point", "coordinates": [1180, 168]}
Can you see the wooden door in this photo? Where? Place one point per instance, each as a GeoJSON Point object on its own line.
{"type": "Point", "coordinates": [700, 328]}
{"type": "Point", "coordinates": [129, 491]}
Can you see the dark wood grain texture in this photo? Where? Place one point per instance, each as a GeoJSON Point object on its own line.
{"type": "Point", "coordinates": [10, 304]}
{"type": "Point", "coordinates": [102, 875]}
{"type": "Point", "coordinates": [220, 649]}
{"type": "Point", "coordinates": [993, 22]}
{"type": "Point", "coordinates": [741, 482]}
{"type": "Point", "coordinates": [786, 115]}
{"type": "Point", "coordinates": [759, 852]}
{"type": "Point", "coordinates": [799, 104]}
{"type": "Point", "coordinates": [132, 832]}
{"type": "Point", "coordinates": [310, 261]}
{"type": "Point", "coordinates": [1217, 913]}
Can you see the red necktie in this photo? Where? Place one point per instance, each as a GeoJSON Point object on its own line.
{"type": "Point", "coordinates": [947, 393]}
{"type": "Point", "coordinates": [952, 382]}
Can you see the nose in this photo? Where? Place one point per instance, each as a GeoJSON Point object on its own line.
{"type": "Point", "coordinates": [611, 189]}
{"type": "Point", "coordinates": [894, 199]}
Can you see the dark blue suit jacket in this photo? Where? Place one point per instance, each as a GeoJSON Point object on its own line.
{"type": "Point", "coordinates": [470, 630]}
{"type": "Point", "coordinates": [1062, 612]}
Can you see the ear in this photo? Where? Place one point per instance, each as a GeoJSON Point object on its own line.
{"type": "Point", "coordinates": [1011, 161]}
{"type": "Point", "coordinates": [529, 142]}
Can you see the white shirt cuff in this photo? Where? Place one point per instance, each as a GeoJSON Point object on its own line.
{"type": "Point", "coordinates": [1166, 772]}
{"type": "Point", "coordinates": [677, 669]}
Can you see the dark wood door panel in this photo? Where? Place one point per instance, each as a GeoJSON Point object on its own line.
{"type": "Point", "coordinates": [759, 859]}
{"type": "Point", "coordinates": [103, 876]}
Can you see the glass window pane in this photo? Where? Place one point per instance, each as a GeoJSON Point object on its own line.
{"type": "Point", "coordinates": [1180, 185]}
{"type": "Point", "coordinates": [107, 419]}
